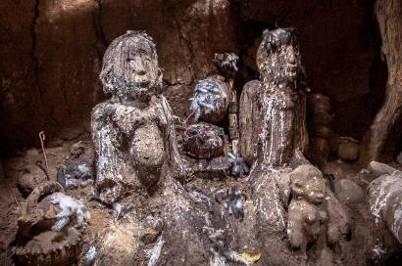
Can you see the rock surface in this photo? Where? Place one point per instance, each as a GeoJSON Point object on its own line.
{"type": "Point", "coordinates": [348, 192]}
{"type": "Point", "coordinates": [52, 53]}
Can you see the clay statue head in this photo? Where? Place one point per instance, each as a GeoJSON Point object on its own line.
{"type": "Point", "coordinates": [130, 67]}
{"type": "Point", "coordinates": [307, 182]}
{"type": "Point", "coordinates": [278, 57]}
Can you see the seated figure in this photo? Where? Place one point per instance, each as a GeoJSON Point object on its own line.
{"type": "Point", "coordinates": [133, 131]}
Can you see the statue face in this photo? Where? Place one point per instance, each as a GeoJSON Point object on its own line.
{"type": "Point", "coordinates": [130, 67]}
{"type": "Point", "coordinates": [278, 57]}
{"type": "Point", "coordinates": [140, 71]}
{"type": "Point", "coordinates": [307, 182]}
{"type": "Point", "coordinates": [315, 189]}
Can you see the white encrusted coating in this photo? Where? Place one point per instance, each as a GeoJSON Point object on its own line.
{"type": "Point", "coordinates": [133, 132]}
{"type": "Point", "coordinates": [69, 207]}
{"type": "Point", "coordinates": [385, 198]}
{"type": "Point", "coordinates": [154, 253]}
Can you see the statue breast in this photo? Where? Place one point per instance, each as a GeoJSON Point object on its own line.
{"type": "Point", "coordinates": [147, 146]}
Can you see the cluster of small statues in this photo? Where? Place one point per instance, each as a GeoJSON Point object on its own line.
{"type": "Point", "coordinates": [138, 155]}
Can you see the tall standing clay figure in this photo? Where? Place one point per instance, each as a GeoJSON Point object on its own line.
{"type": "Point", "coordinates": [133, 132]}
{"type": "Point", "coordinates": [287, 191]}
{"type": "Point", "coordinates": [272, 109]}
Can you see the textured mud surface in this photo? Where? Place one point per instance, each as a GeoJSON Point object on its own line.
{"type": "Point", "coordinates": [53, 52]}
{"type": "Point", "coordinates": [224, 225]}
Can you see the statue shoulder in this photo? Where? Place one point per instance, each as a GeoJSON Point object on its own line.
{"type": "Point", "coordinates": [253, 85]}
{"type": "Point", "coordinates": [162, 105]}
{"type": "Point", "coordinates": [103, 110]}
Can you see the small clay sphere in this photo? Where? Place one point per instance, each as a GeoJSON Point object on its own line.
{"type": "Point", "coordinates": [211, 99]}
{"type": "Point", "coordinates": [203, 141]}
{"type": "Point", "coordinates": [348, 149]}
{"type": "Point", "coordinates": [348, 191]}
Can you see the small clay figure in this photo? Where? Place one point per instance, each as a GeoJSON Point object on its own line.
{"type": "Point", "coordinates": [305, 213]}
{"type": "Point", "coordinates": [227, 65]}
{"type": "Point", "coordinates": [133, 132]}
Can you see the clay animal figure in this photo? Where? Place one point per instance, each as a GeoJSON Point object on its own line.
{"type": "Point", "coordinates": [305, 213]}
{"type": "Point", "coordinates": [133, 132]}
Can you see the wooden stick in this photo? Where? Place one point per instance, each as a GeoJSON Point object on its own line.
{"type": "Point", "coordinates": [42, 138]}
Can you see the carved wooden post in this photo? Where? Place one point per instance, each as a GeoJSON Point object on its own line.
{"type": "Point", "coordinates": [227, 65]}
{"type": "Point", "coordinates": [321, 132]}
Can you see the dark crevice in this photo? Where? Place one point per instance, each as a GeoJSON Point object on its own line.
{"type": "Point", "coordinates": [34, 38]}
{"type": "Point", "coordinates": [34, 46]}
{"type": "Point", "coordinates": [66, 99]}
{"type": "Point", "coordinates": [171, 84]}
{"type": "Point", "coordinates": [246, 34]}
{"type": "Point", "coordinates": [39, 106]}
{"type": "Point", "coordinates": [101, 41]}
{"type": "Point", "coordinates": [188, 44]}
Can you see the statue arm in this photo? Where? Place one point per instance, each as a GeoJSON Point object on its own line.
{"type": "Point", "coordinates": [173, 155]}
{"type": "Point", "coordinates": [108, 164]}
{"type": "Point", "coordinates": [249, 116]}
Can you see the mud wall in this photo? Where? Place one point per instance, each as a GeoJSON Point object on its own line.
{"type": "Point", "coordinates": [51, 54]}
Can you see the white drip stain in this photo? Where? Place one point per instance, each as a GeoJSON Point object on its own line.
{"type": "Point", "coordinates": [154, 253]}
{"type": "Point", "coordinates": [386, 190]}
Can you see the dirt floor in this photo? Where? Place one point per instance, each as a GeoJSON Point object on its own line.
{"type": "Point", "coordinates": [25, 171]}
